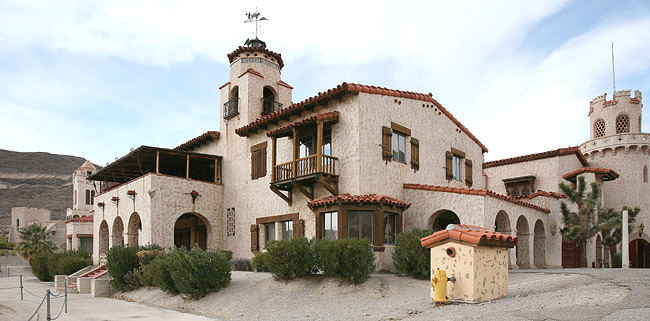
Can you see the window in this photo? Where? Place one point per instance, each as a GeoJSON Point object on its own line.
{"type": "Point", "coordinates": [327, 141]}
{"type": "Point", "coordinates": [454, 161]}
{"type": "Point", "coordinates": [87, 197]}
{"type": "Point", "coordinates": [269, 232]}
{"type": "Point", "coordinates": [330, 225]}
{"type": "Point", "coordinates": [622, 124]}
{"type": "Point", "coordinates": [258, 161]}
{"type": "Point", "coordinates": [360, 224]}
{"type": "Point", "coordinates": [456, 167]}
{"type": "Point", "coordinates": [17, 223]}
{"type": "Point", "coordinates": [399, 147]}
{"type": "Point", "coordinates": [92, 197]}
{"type": "Point", "coordinates": [230, 222]}
{"type": "Point", "coordinates": [287, 230]}
{"type": "Point", "coordinates": [306, 146]}
{"type": "Point", "coordinates": [599, 128]}
{"type": "Point", "coordinates": [390, 227]}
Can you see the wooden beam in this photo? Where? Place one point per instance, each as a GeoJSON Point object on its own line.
{"type": "Point", "coordinates": [330, 184]}
{"type": "Point", "coordinates": [307, 193]}
{"type": "Point", "coordinates": [286, 198]}
{"type": "Point", "coordinates": [274, 145]}
{"type": "Point", "coordinates": [157, 162]}
{"type": "Point", "coordinates": [187, 166]}
{"type": "Point", "coordinates": [319, 147]}
{"type": "Point", "coordinates": [295, 152]}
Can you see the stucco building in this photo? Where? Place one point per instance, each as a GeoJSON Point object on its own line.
{"type": "Point", "coordinates": [23, 216]}
{"type": "Point", "coordinates": [79, 218]}
{"type": "Point", "coordinates": [353, 161]}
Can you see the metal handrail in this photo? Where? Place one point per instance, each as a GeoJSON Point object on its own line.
{"type": "Point", "coordinates": [231, 108]}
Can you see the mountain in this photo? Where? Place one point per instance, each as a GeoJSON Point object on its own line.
{"type": "Point", "coordinates": [41, 180]}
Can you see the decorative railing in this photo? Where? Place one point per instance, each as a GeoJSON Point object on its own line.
{"type": "Point", "coordinates": [613, 141]}
{"type": "Point", "coordinates": [231, 108]}
{"type": "Point", "coordinates": [270, 106]}
{"type": "Point", "coordinates": [304, 167]}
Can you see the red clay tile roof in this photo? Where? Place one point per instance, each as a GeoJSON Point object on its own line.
{"type": "Point", "coordinates": [471, 191]}
{"type": "Point", "coordinates": [541, 193]}
{"type": "Point", "coordinates": [609, 174]}
{"type": "Point", "coordinates": [277, 56]}
{"type": "Point", "coordinates": [527, 158]}
{"type": "Point", "coordinates": [252, 71]}
{"type": "Point", "coordinates": [470, 234]}
{"type": "Point", "coordinates": [635, 100]}
{"type": "Point", "coordinates": [340, 90]}
{"type": "Point", "coordinates": [88, 218]}
{"type": "Point", "coordinates": [282, 83]}
{"type": "Point", "coordinates": [368, 198]}
{"type": "Point", "coordinates": [325, 117]}
{"type": "Point", "coordinates": [224, 85]}
{"type": "Point", "coordinates": [198, 141]}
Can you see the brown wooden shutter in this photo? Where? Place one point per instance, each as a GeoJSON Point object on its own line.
{"type": "Point", "coordinates": [378, 228]}
{"type": "Point", "coordinates": [386, 141]}
{"type": "Point", "coordinates": [255, 246]}
{"type": "Point", "coordinates": [450, 171]}
{"type": "Point", "coordinates": [253, 164]}
{"type": "Point", "coordinates": [263, 162]}
{"type": "Point", "coordinates": [415, 153]}
{"type": "Point", "coordinates": [258, 161]}
{"type": "Point", "coordinates": [298, 229]}
{"type": "Point", "coordinates": [398, 223]}
{"type": "Point", "coordinates": [468, 172]}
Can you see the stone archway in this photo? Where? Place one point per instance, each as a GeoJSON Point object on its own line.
{"type": "Point", "coordinates": [103, 238]}
{"type": "Point", "coordinates": [599, 252]}
{"type": "Point", "coordinates": [639, 254]}
{"type": "Point", "coordinates": [118, 232]}
{"type": "Point", "coordinates": [539, 245]}
{"type": "Point", "coordinates": [440, 219]}
{"type": "Point", "coordinates": [133, 230]}
{"type": "Point", "coordinates": [523, 246]}
{"type": "Point", "coordinates": [191, 229]}
{"type": "Point", "coordinates": [502, 225]}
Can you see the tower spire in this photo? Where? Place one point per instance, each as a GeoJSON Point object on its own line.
{"type": "Point", "coordinates": [254, 17]}
{"type": "Point", "coordinates": [613, 74]}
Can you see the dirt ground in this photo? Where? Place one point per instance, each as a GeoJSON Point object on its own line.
{"type": "Point", "coordinates": [573, 294]}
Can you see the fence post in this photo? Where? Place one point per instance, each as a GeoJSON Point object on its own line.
{"type": "Point", "coordinates": [21, 287]}
{"type": "Point", "coordinates": [48, 317]}
{"type": "Point", "coordinates": [65, 299]}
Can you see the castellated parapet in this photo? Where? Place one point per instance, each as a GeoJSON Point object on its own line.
{"type": "Point", "coordinates": [616, 116]}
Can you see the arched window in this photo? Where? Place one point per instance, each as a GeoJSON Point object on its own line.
{"type": "Point", "coordinates": [599, 128]}
{"type": "Point", "coordinates": [87, 197]}
{"type": "Point", "coordinates": [269, 103]}
{"type": "Point", "coordinates": [92, 197]}
{"type": "Point", "coordinates": [645, 174]}
{"type": "Point", "coordinates": [622, 124]}
{"type": "Point", "coordinates": [17, 223]}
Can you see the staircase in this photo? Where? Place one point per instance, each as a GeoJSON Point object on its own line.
{"type": "Point", "coordinates": [93, 274]}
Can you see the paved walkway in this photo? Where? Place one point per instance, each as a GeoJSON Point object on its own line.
{"type": "Point", "coordinates": [80, 306]}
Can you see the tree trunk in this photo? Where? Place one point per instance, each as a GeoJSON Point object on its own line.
{"type": "Point", "coordinates": [582, 253]}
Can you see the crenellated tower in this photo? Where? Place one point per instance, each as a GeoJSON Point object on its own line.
{"type": "Point", "coordinates": [620, 115]}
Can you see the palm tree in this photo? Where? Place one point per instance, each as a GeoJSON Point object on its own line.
{"type": "Point", "coordinates": [34, 240]}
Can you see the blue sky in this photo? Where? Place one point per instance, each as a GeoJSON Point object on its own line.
{"type": "Point", "coordinates": [94, 79]}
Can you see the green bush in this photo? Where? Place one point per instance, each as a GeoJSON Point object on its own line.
{"type": "Point", "coordinates": [290, 259]}
{"type": "Point", "coordinates": [41, 266]}
{"type": "Point", "coordinates": [156, 273]}
{"type": "Point", "coordinates": [241, 265]}
{"type": "Point", "coordinates": [410, 257]}
{"type": "Point", "coordinates": [260, 262]}
{"type": "Point", "coordinates": [350, 259]}
{"type": "Point", "coordinates": [197, 272]}
{"type": "Point", "coordinates": [617, 259]}
{"type": "Point", "coordinates": [7, 245]}
{"type": "Point", "coordinates": [121, 260]}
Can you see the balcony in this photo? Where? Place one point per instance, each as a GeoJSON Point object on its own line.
{"type": "Point", "coordinates": [231, 108]}
{"type": "Point", "coordinates": [269, 105]}
{"type": "Point", "coordinates": [305, 168]}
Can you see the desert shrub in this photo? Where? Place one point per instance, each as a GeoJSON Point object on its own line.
{"type": "Point", "coordinates": [7, 245]}
{"type": "Point", "coordinates": [227, 254]}
{"type": "Point", "coordinates": [121, 260]}
{"type": "Point", "coordinates": [617, 260]}
{"type": "Point", "coordinates": [68, 262]}
{"type": "Point", "coordinates": [290, 259]}
{"type": "Point", "coordinates": [157, 274]}
{"type": "Point", "coordinates": [41, 266]}
{"type": "Point", "coordinates": [145, 256]}
{"type": "Point", "coordinates": [197, 272]}
{"type": "Point", "coordinates": [241, 265]}
{"type": "Point", "coordinates": [260, 262]}
{"type": "Point", "coordinates": [410, 257]}
{"type": "Point", "coordinates": [350, 259]}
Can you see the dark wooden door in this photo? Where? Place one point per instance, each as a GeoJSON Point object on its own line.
{"type": "Point", "coordinates": [570, 257]}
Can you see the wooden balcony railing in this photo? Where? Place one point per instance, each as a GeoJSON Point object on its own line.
{"type": "Point", "coordinates": [304, 167]}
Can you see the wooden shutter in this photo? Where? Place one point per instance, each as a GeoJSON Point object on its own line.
{"type": "Point", "coordinates": [263, 162]}
{"type": "Point", "coordinates": [386, 141]}
{"type": "Point", "coordinates": [415, 153]}
{"type": "Point", "coordinates": [255, 246]}
{"type": "Point", "coordinates": [398, 223]}
{"type": "Point", "coordinates": [450, 171]}
{"type": "Point", "coordinates": [258, 161]}
{"type": "Point", "coordinates": [468, 172]}
{"type": "Point", "coordinates": [298, 229]}
{"type": "Point", "coordinates": [254, 161]}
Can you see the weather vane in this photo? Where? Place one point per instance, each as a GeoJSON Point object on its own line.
{"type": "Point", "coordinates": [254, 17]}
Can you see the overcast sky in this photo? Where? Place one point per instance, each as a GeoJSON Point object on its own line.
{"type": "Point", "coordinates": [94, 79]}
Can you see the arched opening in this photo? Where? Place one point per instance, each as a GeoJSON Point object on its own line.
{"type": "Point", "coordinates": [234, 93]}
{"type": "Point", "coordinates": [440, 219]}
{"type": "Point", "coordinates": [133, 230]}
{"type": "Point", "coordinates": [231, 107]}
{"type": "Point", "coordinates": [639, 254]}
{"type": "Point", "coordinates": [103, 237]}
{"type": "Point", "coordinates": [269, 104]}
{"type": "Point", "coordinates": [599, 128]}
{"type": "Point", "coordinates": [75, 216]}
{"type": "Point", "coordinates": [539, 245]}
{"type": "Point", "coordinates": [599, 252]}
{"type": "Point", "coordinates": [17, 223]}
{"type": "Point", "coordinates": [118, 232]}
{"type": "Point", "coordinates": [622, 124]}
{"type": "Point", "coordinates": [502, 224]}
{"type": "Point", "coordinates": [191, 229]}
{"type": "Point", "coordinates": [523, 246]}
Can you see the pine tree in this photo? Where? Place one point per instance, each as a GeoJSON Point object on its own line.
{"type": "Point", "coordinates": [34, 240]}
{"type": "Point", "coordinates": [612, 229]}
{"type": "Point", "coordinates": [584, 225]}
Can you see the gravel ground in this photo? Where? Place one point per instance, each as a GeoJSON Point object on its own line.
{"type": "Point", "coordinates": [569, 294]}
